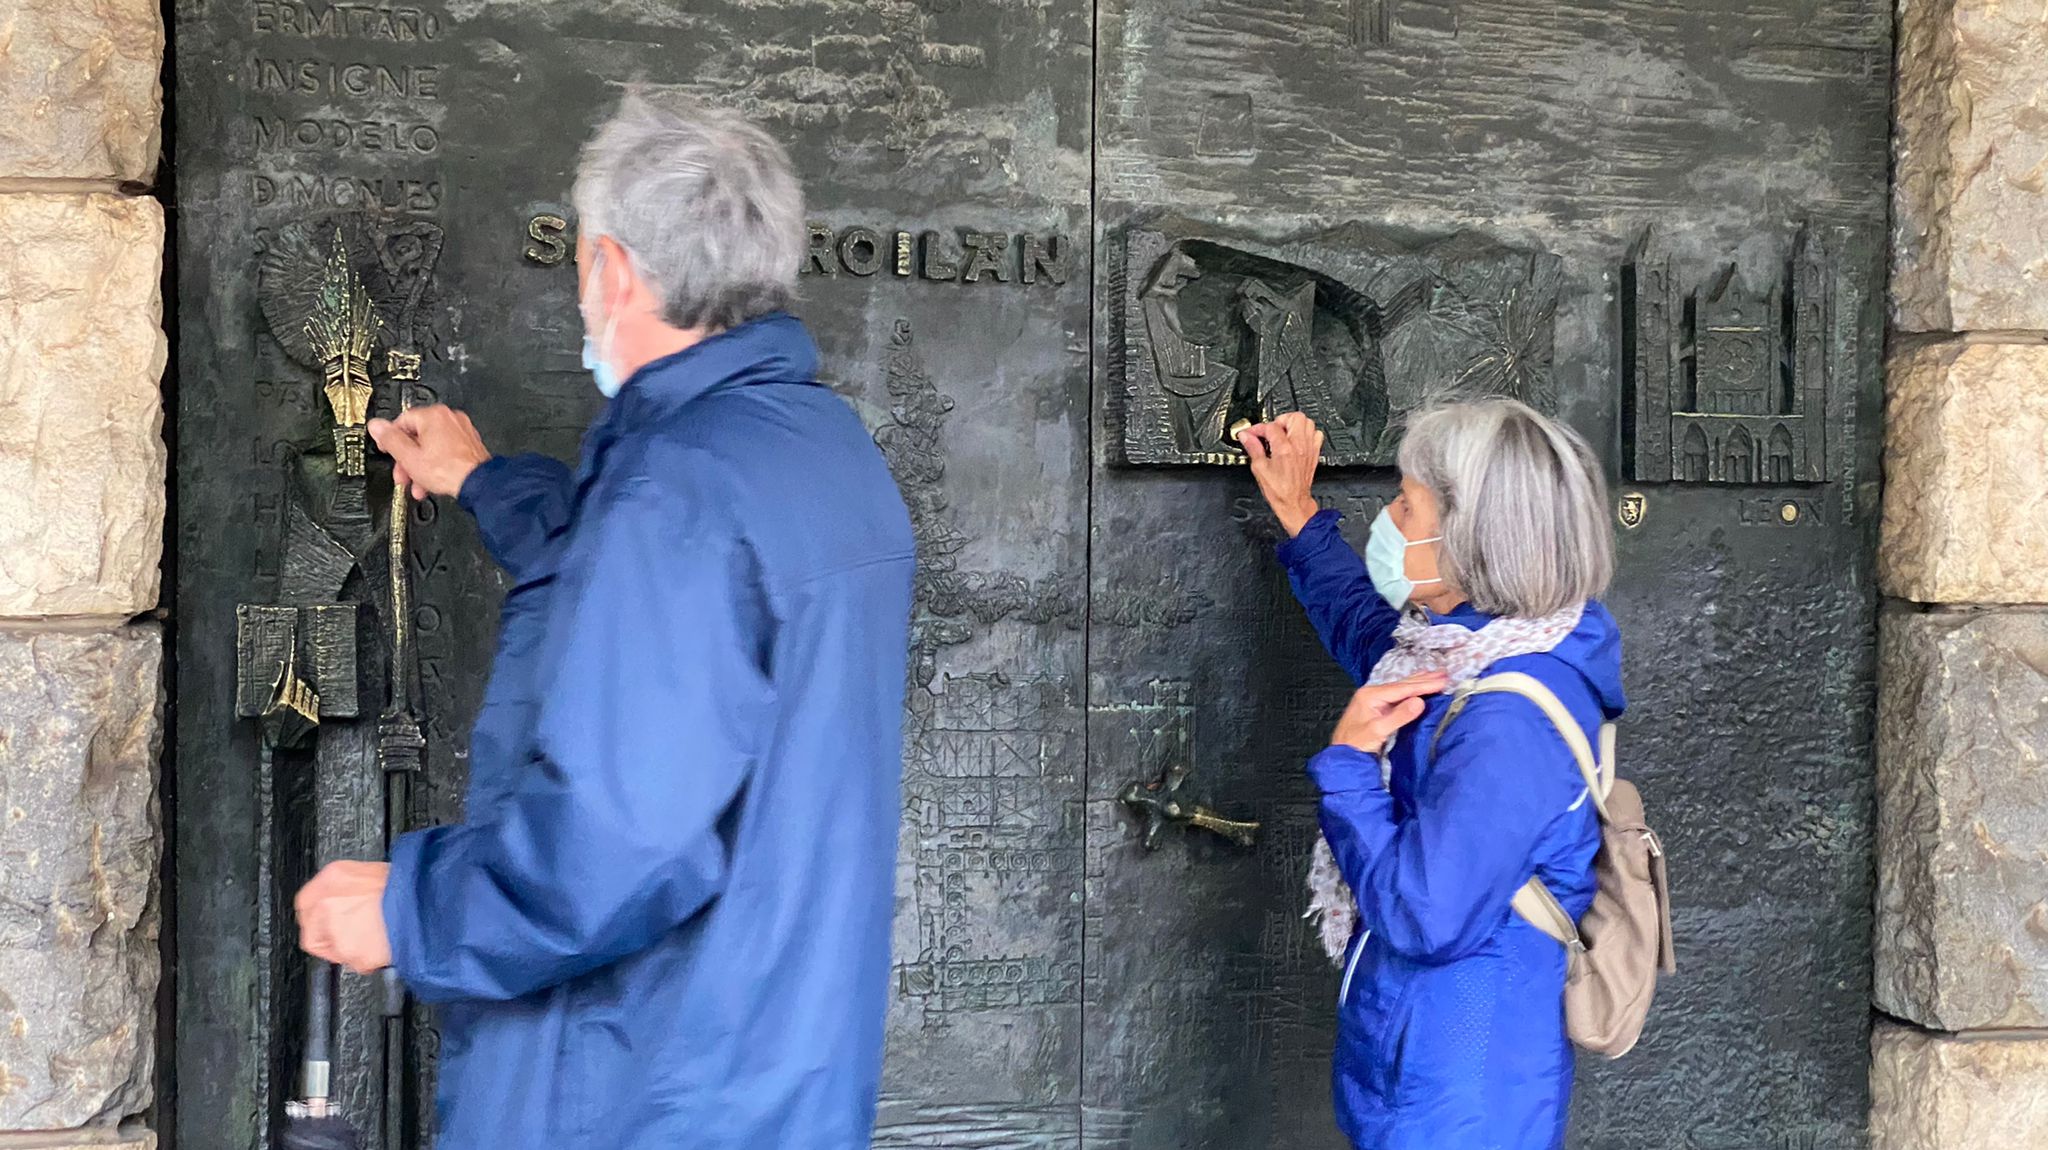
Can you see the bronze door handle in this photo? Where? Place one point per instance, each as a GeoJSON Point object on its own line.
{"type": "Point", "coordinates": [1157, 804]}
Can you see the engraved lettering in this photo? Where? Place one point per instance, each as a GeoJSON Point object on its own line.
{"type": "Point", "coordinates": [390, 193]}
{"type": "Point", "coordinates": [1045, 256]}
{"type": "Point", "coordinates": [860, 251]}
{"type": "Point", "coordinates": [548, 246]}
{"type": "Point", "coordinates": [863, 251]}
{"type": "Point", "coordinates": [399, 24]}
{"type": "Point", "coordinates": [985, 252]}
{"type": "Point", "coordinates": [316, 77]}
{"type": "Point", "coordinates": [932, 265]}
{"type": "Point", "coordinates": [818, 260]}
{"type": "Point", "coordinates": [286, 394]}
{"type": "Point", "coordinates": [1779, 511]}
{"type": "Point", "coordinates": [274, 133]}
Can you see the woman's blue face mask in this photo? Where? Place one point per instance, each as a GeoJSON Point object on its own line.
{"type": "Point", "coordinates": [1386, 560]}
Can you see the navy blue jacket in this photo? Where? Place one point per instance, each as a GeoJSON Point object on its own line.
{"type": "Point", "coordinates": [665, 919]}
{"type": "Point", "coordinates": [1451, 1016]}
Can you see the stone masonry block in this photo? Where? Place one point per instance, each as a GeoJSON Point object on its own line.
{"type": "Point", "coordinates": [1966, 473]}
{"type": "Point", "coordinates": [1942, 1092]}
{"type": "Point", "coordinates": [130, 1137]}
{"type": "Point", "coordinates": [80, 96]}
{"type": "Point", "coordinates": [1962, 830]}
{"type": "Point", "coordinates": [82, 353]}
{"type": "Point", "coordinates": [80, 727]}
{"type": "Point", "coordinates": [1968, 197]}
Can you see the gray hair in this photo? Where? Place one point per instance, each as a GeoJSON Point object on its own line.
{"type": "Point", "coordinates": [1522, 504]}
{"type": "Point", "coordinates": [702, 199]}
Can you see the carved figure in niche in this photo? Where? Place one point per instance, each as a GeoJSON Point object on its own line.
{"type": "Point", "coordinates": [334, 292]}
{"type": "Point", "coordinates": [1730, 383]}
{"type": "Point", "coordinates": [1353, 327]}
{"type": "Point", "coordinates": [1282, 376]}
{"type": "Point", "coordinates": [1203, 391]}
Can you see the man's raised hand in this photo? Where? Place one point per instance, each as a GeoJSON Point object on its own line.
{"type": "Point", "coordinates": [433, 449]}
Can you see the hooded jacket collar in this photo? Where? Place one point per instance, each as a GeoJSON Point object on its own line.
{"type": "Point", "coordinates": [776, 348]}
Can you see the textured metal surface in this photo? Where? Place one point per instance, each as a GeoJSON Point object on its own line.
{"type": "Point", "coordinates": [1353, 327]}
{"type": "Point", "coordinates": [1570, 129]}
{"type": "Point", "coordinates": [980, 176]}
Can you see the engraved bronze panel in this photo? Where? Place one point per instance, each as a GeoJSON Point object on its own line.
{"type": "Point", "coordinates": [1056, 250]}
{"type": "Point", "coordinates": [1352, 327]}
{"type": "Point", "coordinates": [1730, 384]}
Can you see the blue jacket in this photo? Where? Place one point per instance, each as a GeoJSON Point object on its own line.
{"type": "Point", "coordinates": [665, 920]}
{"type": "Point", "coordinates": [1451, 1018]}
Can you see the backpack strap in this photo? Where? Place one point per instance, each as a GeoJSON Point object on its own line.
{"type": "Point", "coordinates": [1540, 909]}
{"type": "Point", "coordinates": [1598, 773]}
{"type": "Point", "coordinates": [1533, 901]}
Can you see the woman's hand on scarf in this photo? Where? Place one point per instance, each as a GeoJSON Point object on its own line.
{"type": "Point", "coordinates": [1376, 712]}
{"type": "Point", "coordinates": [1283, 456]}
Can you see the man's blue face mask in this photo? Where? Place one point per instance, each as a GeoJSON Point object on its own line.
{"type": "Point", "coordinates": [608, 381]}
{"type": "Point", "coordinates": [597, 352]}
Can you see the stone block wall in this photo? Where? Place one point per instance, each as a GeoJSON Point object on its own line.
{"type": "Point", "coordinates": [1961, 1057]}
{"type": "Point", "coordinates": [82, 473]}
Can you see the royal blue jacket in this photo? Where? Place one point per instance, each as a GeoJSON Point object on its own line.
{"type": "Point", "coordinates": [1451, 1017]}
{"type": "Point", "coordinates": [665, 918]}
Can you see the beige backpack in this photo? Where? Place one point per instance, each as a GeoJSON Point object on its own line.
{"type": "Point", "coordinates": [1624, 941]}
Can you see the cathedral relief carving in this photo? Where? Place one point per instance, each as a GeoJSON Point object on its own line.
{"type": "Point", "coordinates": [1728, 382]}
{"type": "Point", "coordinates": [1354, 327]}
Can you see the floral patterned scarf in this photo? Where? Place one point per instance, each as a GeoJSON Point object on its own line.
{"type": "Point", "coordinates": [1419, 645]}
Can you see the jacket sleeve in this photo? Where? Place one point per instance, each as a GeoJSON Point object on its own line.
{"type": "Point", "coordinates": [653, 705]}
{"type": "Point", "coordinates": [1436, 884]}
{"type": "Point", "coordinates": [1356, 625]}
{"type": "Point", "coordinates": [520, 503]}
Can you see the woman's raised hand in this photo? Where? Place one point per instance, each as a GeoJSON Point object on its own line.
{"type": "Point", "coordinates": [1283, 455]}
{"type": "Point", "coordinates": [1376, 712]}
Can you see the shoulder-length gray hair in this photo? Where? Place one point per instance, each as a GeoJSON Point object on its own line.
{"type": "Point", "coordinates": [702, 199]}
{"type": "Point", "coordinates": [1522, 504]}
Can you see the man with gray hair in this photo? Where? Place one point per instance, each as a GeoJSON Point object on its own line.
{"type": "Point", "coordinates": [665, 919]}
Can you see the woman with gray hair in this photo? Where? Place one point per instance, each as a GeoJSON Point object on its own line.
{"type": "Point", "coordinates": [1450, 1017]}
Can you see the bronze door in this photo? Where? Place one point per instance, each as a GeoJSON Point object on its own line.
{"type": "Point", "coordinates": [1056, 247]}
{"type": "Point", "coordinates": [1657, 220]}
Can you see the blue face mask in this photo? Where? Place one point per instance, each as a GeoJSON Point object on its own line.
{"type": "Point", "coordinates": [596, 353]}
{"type": "Point", "coordinates": [608, 381]}
{"type": "Point", "coordinates": [1386, 560]}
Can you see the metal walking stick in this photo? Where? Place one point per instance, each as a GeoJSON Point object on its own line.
{"type": "Point", "coordinates": [289, 715]}
{"type": "Point", "coordinates": [310, 1122]}
{"type": "Point", "coordinates": [400, 743]}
